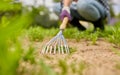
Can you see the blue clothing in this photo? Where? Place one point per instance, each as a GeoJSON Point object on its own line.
{"type": "Point", "coordinates": [88, 10]}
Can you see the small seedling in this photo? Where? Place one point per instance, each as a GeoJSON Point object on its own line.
{"type": "Point", "coordinates": [82, 66]}
{"type": "Point", "coordinates": [64, 67]}
{"type": "Point", "coordinates": [72, 50]}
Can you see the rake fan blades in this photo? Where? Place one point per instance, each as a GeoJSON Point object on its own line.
{"type": "Point", "coordinates": [57, 44]}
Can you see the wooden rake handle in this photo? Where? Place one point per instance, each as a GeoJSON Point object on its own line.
{"type": "Point", "coordinates": [64, 23]}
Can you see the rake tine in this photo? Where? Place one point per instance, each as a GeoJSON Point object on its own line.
{"type": "Point", "coordinates": [58, 42]}
{"type": "Point", "coordinates": [48, 44]}
{"type": "Point", "coordinates": [61, 45]}
{"type": "Point", "coordinates": [43, 50]}
{"type": "Point", "coordinates": [53, 39]}
{"type": "Point", "coordinates": [47, 49]}
{"type": "Point", "coordinates": [55, 46]}
{"type": "Point", "coordinates": [52, 46]}
{"type": "Point", "coordinates": [50, 49]}
{"type": "Point", "coordinates": [65, 44]}
{"type": "Point", "coordinates": [54, 49]}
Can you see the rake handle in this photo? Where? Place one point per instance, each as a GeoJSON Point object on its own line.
{"type": "Point", "coordinates": [64, 23]}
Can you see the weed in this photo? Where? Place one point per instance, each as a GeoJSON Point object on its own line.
{"type": "Point", "coordinates": [9, 57]}
{"type": "Point", "coordinates": [46, 70]}
{"type": "Point", "coordinates": [116, 51]}
{"type": "Point", "coordinates": [94, 38]}
{"type": "Point", "coordinates": [35, 34]}
{"type": "Point", "coordinates": [39, 33]}
{"type": "Point", "coordinates": [63, 66]}
{"type": "Point", "coordinates": [73, 67]}
{"type": "Point", "coordinates": [115, 37]}
{"type": "Point", "coordinates": [69, 33]}
{"type": "Point", "coordinates": [29, 55]}
{"type": "Point", "coordinates": [78, 68]}
{"type": "Point", "coordinates": [82, 66]}
{"type": "Point", "coordinates": [72, 50]}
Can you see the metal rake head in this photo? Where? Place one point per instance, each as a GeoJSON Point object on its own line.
{"type": "Point", "coordinates": [57, 44]}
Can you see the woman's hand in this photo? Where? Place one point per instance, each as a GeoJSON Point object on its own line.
{"type": "Point", "coordinates": [65, 13]}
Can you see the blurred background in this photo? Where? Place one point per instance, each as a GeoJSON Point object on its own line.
{"type": "Point", "coordinates": [43, 11]}
{"type": "Point", "coordinates": [44, 8]}
{"type": "Point", "coordinates": [48, 5]}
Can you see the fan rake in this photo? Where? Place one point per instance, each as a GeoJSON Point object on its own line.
{"type": "Point", "coordinates": [58, 43]}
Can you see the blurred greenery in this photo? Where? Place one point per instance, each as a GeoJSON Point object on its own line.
{"type": "Point", "coordinates": [111, 34]}
{"type": "Point", "coordinates": [46, 70]}
{"type": "Point", "coordinates": [14, 18]}
{"type": "Point", "coordinates": [29, 55]}
{"type": "Point", "coordinates": [64, 67]}
{"type": "Point", "coordinates": [8, 5]}
{"type": "Point", "coordinates": [10, 28]}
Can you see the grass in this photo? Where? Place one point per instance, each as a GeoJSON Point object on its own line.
{"type": "Point", "coordinates": [29, 55]}
{"type": "Point", "coordinates": [82, 66]}
{"type": "Point", "coordinates": [73, 68]}
{"type": "Point", "coordinates": [46, 70]}
{"type": "Point", "coordinates": [64, 67]}
{"type": "Point", "coordinates": [116, 51]}
{"type": "Point", "coordinates": [72, 50]}
{"type": "Point", "coordinates": [111, 34]}
{"type": "Point", "coordinates": [39, 33]}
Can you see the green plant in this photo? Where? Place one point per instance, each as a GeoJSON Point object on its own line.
{"type": "Point", "coordinates": [73, 67]}
{"type": "Point", "coordinates": [82, 66]}
{"type": "Point", "coordinates": [9, 57]}
{"type": "Point", "coordinates": [94, 37]}
{"type": "Point", "coordinates": [29, 55]}
{"type": "Point", "coordinates": [46, 70]}
{"type": "Point", "coordinates": [63, 66]}
{"type": "Point", "coordinates": [72, 50]}
{"type": "Point", "coordinates": [35, 34]}
{"type": "Point", "coordinates": [116, 51]}
{"type": "Point", "coordinates": [39, 33]}
{"type": "Point", "coordinates": [10, 29]}
{"type": "Point", "coordinates": [69, 33]}
{"type": "Point", "coordinates": [115, 37]}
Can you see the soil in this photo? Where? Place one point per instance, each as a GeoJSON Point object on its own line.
{"type": "Point", "coordinates": [99, 58]}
